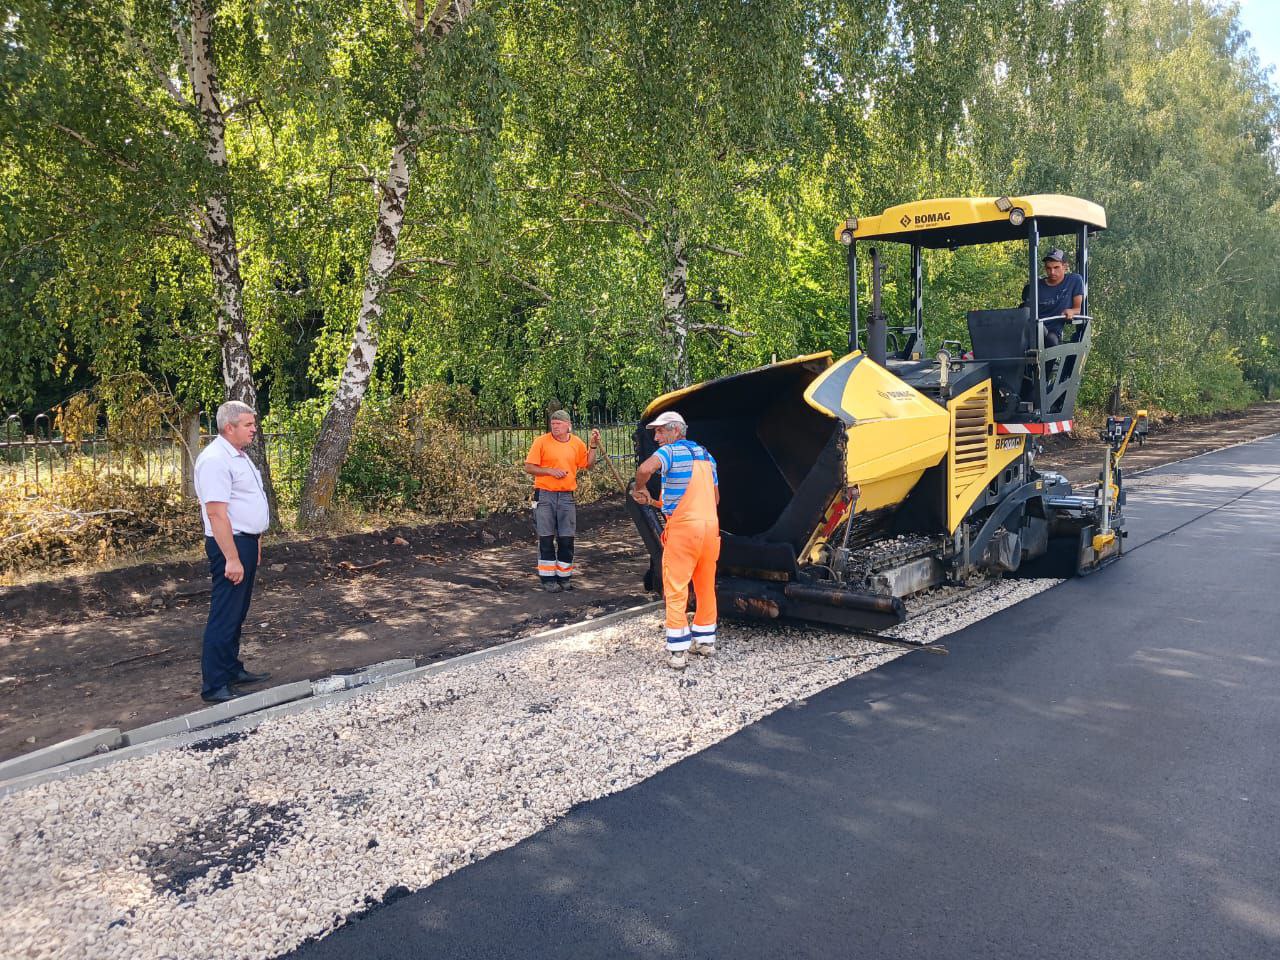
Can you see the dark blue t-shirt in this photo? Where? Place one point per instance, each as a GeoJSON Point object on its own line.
{"type": "Point", "coordinates": [1053, 300]}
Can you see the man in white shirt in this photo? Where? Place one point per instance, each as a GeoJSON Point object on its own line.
{"type": "Point", "coordinates": [235, 511]}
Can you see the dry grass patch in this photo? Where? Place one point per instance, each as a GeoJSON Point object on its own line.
{"type": "Point", "coordinates": [83, 517]}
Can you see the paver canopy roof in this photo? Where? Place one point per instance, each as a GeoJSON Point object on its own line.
{"type": "Point", "coordinates": [960, 221]}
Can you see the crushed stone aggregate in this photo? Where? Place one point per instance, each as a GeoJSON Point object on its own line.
{"type": "Point", "coordinates": [247, 848]}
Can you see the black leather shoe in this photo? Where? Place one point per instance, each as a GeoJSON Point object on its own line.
{"type": "Point", "coordinates": [550, 586]}
{"type": "Point", "coordinates": [244, 677]}
{"type": "Point", "coordinates": [221, 695]}
{"type": "Point", "coordinates": [566, 585]}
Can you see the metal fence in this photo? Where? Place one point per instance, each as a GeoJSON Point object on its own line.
{"type": "Point", "coordinates": [33, 454]}
{"type": "Point", "coordinates": [510, 444]}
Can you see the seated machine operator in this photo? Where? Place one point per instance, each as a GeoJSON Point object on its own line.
{"type": "Point", "coordinates": [1061, 295]}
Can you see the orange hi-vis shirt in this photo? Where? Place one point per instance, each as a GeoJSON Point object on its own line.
{"type": "Point", "coordinates": [569, 455]}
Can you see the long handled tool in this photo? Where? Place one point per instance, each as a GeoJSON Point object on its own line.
{"type": "Point", "coordinates": [613, 467]}
{"type": "Point", "coordinates": [648, 521]}
{"type": "Point", "coordinates": [622, 484]}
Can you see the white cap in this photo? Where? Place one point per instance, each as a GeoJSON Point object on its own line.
{"type": "Point", "coordinates": [666, 420]}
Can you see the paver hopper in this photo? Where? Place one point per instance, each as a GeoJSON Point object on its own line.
{"type": "Point", "coordinates": [848, 484]}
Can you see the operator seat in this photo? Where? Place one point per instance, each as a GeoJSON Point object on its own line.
{"type": "Point", "coordinates": [1003, 338]}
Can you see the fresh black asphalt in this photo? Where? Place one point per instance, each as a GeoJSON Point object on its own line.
{"type": "Point", "coordinates": [1090, 774]}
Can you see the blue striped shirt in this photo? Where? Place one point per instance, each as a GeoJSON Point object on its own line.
{"type": "Point", "coordinates": [677, 470]}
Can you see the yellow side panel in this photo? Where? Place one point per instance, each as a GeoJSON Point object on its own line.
{"type": "Point", "coordinates": [887, 491]}
{"type": "Point", "coordinates": [885, 458]}
{"type": "Point", "coordinates": [977, 454]}
{"type": "Point", "coordinates": [856, 389]}
{"type": "Point", "coordinates": [895, 432]}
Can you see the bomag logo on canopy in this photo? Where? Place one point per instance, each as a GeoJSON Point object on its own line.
{"type": "Point", "coordinates": [925, 219]}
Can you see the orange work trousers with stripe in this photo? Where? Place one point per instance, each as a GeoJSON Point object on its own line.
{"type": "Point", "coordinates": [691, 547]}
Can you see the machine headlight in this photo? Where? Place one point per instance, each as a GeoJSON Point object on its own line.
{"type": "Point", "coordinates": [1017, 216]}
{"type": "Point", "coordinates": [846, 237]}
{"type": "Point", "coordinates": [1003, 204]}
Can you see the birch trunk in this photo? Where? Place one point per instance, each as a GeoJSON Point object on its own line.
{"type": "Point", "coordinates": [217, 229]}
{"type": "Point", "coordinates": [331, 445]}
{"type": "Point", "coordinates": [675, 307]}
{"type": "Point", "coordinates": [339, 421]}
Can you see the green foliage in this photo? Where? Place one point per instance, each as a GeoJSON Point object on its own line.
{"type": "Point", "coordinates": [569, 150]}
{"type": "Point", "coordinates": [418, 452]}
{"type": "Point", "coordinates": [1174, 132]}
{"type": "Point", "coordinates": [380, 465]}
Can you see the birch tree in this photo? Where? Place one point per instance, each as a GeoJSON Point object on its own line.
{"type": "Point", "coordinates": [189, 188]}
{"type": "Point", "coordinates": [669, 126]}
{"type": "Point", "coordinates": [127, 103]}
{"type": "Point", "coordinates": [429, 30]}
{"type": "Point", "coordinates": [214, 232]}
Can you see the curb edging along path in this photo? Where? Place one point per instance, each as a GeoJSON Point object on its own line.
{"type": "Point", "coordinates": [105, 746]}
{"type": "Point", "coordinates": [76, 756]}
{"type": "Point", "coordinates": [57, 754]}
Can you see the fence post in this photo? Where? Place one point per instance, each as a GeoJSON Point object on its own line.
{"type": "Point", "coordinates": [418, 427]}
{"type": "Point", "coordinates": [190, 443]}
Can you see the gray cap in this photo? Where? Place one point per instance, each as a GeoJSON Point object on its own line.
{"type": "Point", "coordinates": [666, 420]}
{"type": "Point", "coordinates": [1056, 254]}
{"type": "Point", "coordinates": [562, 415]}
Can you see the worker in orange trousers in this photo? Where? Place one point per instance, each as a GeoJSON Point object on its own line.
{"type": "Point", "coordinates": [691, 540]}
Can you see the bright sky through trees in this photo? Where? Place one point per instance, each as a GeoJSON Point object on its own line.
{"type": "Point", "coordinates": [1262, 19]}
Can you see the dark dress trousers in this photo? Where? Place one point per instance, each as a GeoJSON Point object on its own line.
{"type": "Point", "coordinates": [229, 605]}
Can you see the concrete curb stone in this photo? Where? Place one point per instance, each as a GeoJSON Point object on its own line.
{"type": "Point", "coordinates": [360, 678]}
{"type": "Point", "coordinates": [249, 703]}
{"type": "Point", "coordinates": [57, 754]}
{"type": "Point", "coordinates": [184, 733]}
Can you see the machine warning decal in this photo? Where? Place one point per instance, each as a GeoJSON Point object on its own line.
{"type": "Point", "coordinates": [896, 394]}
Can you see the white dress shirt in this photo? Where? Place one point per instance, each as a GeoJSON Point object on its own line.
{"type": "Point", "coordinates": [225, 475]}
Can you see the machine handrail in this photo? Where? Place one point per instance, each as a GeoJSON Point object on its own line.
{"type": "Point", "coordinates": [1062, 316]}
{"type": "Point", "coordinates": [1078, 322]}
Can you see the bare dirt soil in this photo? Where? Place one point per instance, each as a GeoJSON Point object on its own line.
{"type": "Point", "coordinates": [122, 648]}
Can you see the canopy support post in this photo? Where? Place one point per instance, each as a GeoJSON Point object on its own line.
{"type": "Point", "coordinates": [1082, 264]}
{"type": "Point", "coordinates": [852, 259]}
{"type": "Point", "coordinates": [1033, 266]}
{"type": "Point", "coordinates": [877, 333]}
{"type": "Point", "coordinates": [917, 291]}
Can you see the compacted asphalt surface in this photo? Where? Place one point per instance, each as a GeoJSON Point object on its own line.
{"type": "Point", "coordinates": [1090, 774]}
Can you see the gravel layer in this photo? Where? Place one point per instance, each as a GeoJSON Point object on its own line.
{"type": "Point", "coordinates": [245, 847]}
